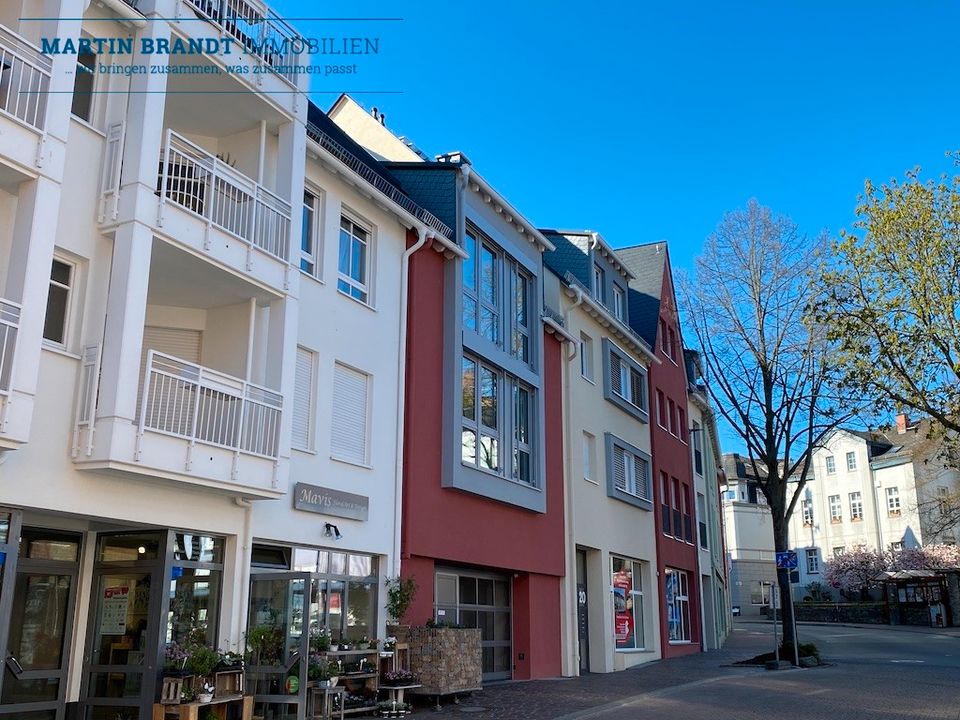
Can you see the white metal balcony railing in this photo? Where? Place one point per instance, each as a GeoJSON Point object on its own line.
{"type": "Point", "coordinates": [203, 184]}
{"type": "Point", "coordinates": [202, 405]}
{"type": "Point", "coordinates": [24, 79]}
{"type": "Point", "coordinates": [259, 30]}
{"type": "Point", "coordinates": [9, 326]}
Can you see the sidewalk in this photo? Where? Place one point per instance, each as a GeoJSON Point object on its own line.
{"type": "Point", "coordinates": [573, 698]}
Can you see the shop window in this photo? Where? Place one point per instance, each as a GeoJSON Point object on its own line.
{"type": "Point", "coordinates": [274, 557]}
{"type": "Point", "coordinates": [677, 597]}
{"type": "Point", "coordinates": [626, 588]}
{"type": "Point", "coordinates": [129, 547]}
{"type": "Point", "coordinates": [194, 590]}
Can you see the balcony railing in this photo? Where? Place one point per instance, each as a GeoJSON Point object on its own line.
{"type": "Point", "coordinates": [24, 79]}
{"type": "Point", "coordinates": [205, 406]}
{"type": "Point", "coordinates": [363, 170]}
{"type": "Point", "coordinates": [257, 29]}
{"type": "Point", "coordinates": [9, 326]}
{"type": "Point", "coordinates": [203, 184]}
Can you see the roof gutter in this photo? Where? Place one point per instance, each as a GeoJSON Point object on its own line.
{"type": "Point", "coordinates": [613, 323]}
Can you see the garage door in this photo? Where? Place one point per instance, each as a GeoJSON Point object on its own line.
{"type": "Point", "coordinates": [478, 600]}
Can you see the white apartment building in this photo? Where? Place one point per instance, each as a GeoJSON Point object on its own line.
{"type": "Point", "coordinates": [880, 489]}
{"type": "Point", "coordinates": [610, 607]}
{"type": "Point", "coordinates": [202, 322]}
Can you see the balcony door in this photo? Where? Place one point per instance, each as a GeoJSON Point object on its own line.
{"type": "Point", "coordinates": [37, 599]}
{"type": "Point", "coordinates": [178, 342]}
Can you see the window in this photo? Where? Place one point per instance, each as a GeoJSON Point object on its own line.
{"type": "Point", "coordinates": [677, 595]}
{"type": "Point", "coordinates": [485, 416]}
{"type": "Point", "coordinates": [520, 348]}
{"type": "Point", "coordinates": [586, 356]}
{"type": "Point", "coordinates": [893, 501]}
{"type": "Point", "coordinates": [760, 592]}
{"type": "Point", "coordinates": [619, 303]}
{"type": "Point", "coordinates": [194, 588]}
{"type": "Point", "coordinates": [671, 416]}
{"type": "Point", "coordinates": [665, 503]}
{"type": "Point", "coordinates": [589, 455]}
{"type": "Point", "coordinates": [896, 547]}
{"type": "Point", "coordinates": [672, 348]}
{"type": "Point", "coordinates": [82, 105]}
{"type": "Point", "coordinates": [813, 561]}
{"type": "Point", "coordinates": [58, 302]}
{"type": "Point", "coordinates": [836, 510]}
{"type": "Point", "coordinates": [675, 500]}
{"type": "Point", "coordinates": [687, 516]}
{"type": "Point", "coordinates": [629, 470]}
{"type": "Point", "coordinates": [681, 423]}
{"type": "Point", "coordinates": [851, 461]}
{"type": "Point", "coordinates": [838, 551]}
{"type": "Point", "coordinates": [856, 506]}
{"type": "Point", "coordinates": [348, 432]}
{"type": "Point", "coordinates": [626, 589]}
{"type": "Point", "coordinates": [661, 410]}
{"type": "Point", "coordinates": [353, 261]}
{"type": "Point", "coordinates": [303, 398]}
{"type": "Point", "coordinates": [807, 512]}
{"type": "Point", "coordinates": [627, 381]}
{"type": "Point", "coordinates": [697, 448]}
{"type": "Point", "coordinates": [831, 464]}
{"type": "Point", "coordinates": [944, 504]}
{"type": "Point", "coordinates": [599, 285]}
{"type": "Point", "coordinates": [309, 245]}
{"type": "Point", "coordinates": [702, 519]}
{"type": "Point", "coordinates": [664, 343]}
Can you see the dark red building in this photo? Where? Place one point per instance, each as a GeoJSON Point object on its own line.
{"type": "Point", "coordinates": [482, 529]}
{"type": "Point", "coordinates": [653, 315]}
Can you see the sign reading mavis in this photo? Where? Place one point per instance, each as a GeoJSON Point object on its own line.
{"type": "Point", "coordinates": [327, 501]}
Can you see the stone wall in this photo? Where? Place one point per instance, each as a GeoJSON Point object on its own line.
{"type": "Point", "coordinates": [447, 660]}
{"type": "Point", "coordinates": [865, 613]}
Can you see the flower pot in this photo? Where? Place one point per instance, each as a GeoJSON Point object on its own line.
{"type": "Point", "coordinates": [204, 697]}
{"type": "Point", "coordinates": [333, 681]}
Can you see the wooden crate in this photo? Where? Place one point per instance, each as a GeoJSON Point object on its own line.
{"type": "Point", "coordinates": [228, 682]}
{"type": "Point", "coordinates": [172, 689]}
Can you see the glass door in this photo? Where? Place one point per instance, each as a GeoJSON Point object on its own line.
{"type": "Point", "coordinates": [278, 635]}
{"type": "Point", "coordinates": [38, 596]}
{"type": "Point", "coordinates": [120, 665]}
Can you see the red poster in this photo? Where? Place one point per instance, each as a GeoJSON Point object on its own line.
{"type": "Point", "coordinates": [623, 608]}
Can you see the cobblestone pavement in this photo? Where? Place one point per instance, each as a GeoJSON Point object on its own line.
{"type": "Point", "coordinates": [876, 674]}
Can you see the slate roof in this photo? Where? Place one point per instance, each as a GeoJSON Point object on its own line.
{"type": "Point", "coordinates": [647, 263]}
{"type": "Point", "coordinates": [567, 257]}
{"type": "Point", "coordinates": [432, 185]}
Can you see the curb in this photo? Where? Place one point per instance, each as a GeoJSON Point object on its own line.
{"type": "Point", "coordinates": [894, 628]}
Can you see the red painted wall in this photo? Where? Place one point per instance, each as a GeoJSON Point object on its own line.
{"type": "Point", "coordinates": [454, 527]}
{"type": "Point", "coordinates": [671, 455]}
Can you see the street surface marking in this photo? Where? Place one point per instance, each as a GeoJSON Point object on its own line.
{"type": "Point", "coordinates": [908, 661]}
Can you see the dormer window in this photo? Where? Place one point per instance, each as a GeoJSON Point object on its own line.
{"type": "Point", "coordinates": [599, 285]}
{"type": "Point", "coordinates": [619, 303]}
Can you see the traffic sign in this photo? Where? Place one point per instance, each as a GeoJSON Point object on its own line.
{"type": "Point", "coordinates": [787, 560]}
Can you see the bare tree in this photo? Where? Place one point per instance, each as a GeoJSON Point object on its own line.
{"type": "Point", "coordinates": [768, 365]}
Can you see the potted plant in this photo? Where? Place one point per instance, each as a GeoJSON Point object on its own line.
{"type": "Point", "coordinates": [205, 694]}
{"type": "Point", "coordinates": [398, 678]}
{"type": "Point", "coordinates": [363, 643]}
{"type": "Point", "coordinates": [400, 595]}
{"type": "Point", "coordinates": [202, 661]}
{"type": "Point", "coordinates": [321, 640]}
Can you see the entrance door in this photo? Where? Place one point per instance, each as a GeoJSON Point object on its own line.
{"type": "Point", "coordinates": [122, 651]}
{"type": "Point", "coordinates": [583, 617]}
{"type": "Point", "coordinates": [38, 596]}
{"type": "Point", "coordinates": [278, 635]}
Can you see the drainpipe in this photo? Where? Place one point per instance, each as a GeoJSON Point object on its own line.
{"type": "Point", "coordinates": [243, 570]}
{"type": "Point", "coordinates": [423, 237]}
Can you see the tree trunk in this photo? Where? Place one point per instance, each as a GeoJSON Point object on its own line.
{"type": "Point", "coordinates": [781, 544]}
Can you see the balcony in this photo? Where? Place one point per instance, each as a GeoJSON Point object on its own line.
{"type": "Point", "coordinates": [221, 213]}
{"type": "Point", "coordinates": [9, 327]}
{"type": "Point", "coordinates": [24, 84]}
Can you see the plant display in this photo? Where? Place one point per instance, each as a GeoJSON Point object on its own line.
{"type": "Point", "coordinates": [399, 677]}
{"type": "Point", "coordinates": [265, 645]}
{"type": "Point", "coordinates": [320, 640]}
{"type": "Point", "coordinates": [202, 660]}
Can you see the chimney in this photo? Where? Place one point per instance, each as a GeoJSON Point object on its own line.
{"type": "Point", "coordinates": [903, 422]}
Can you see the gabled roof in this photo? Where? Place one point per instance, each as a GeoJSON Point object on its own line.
{"type": "Point", "coordinates": [647, 264]}
{"type": "Point", "coordinates": [567, 257]}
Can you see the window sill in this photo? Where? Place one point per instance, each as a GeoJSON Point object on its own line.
{"type": "Point", "coordinates": [591, 481]}
{"type": "Point", "coordinates": [836, 522]}
{"type": "Point", "coordinates": [856, 519]}
{"type": "Point", "coordinates": [58, 350]}
{"type": "Point", "coordinates": [589, 380]}
{"type": "Point", "coordinates": [361, 303]}
{"type": "Point", "coordinates": [498, 476]}
{"type": "Point", "coordinates": [304, 451]}
{"type": "Point", "coordinates": [346, 461]}
{"type": "Point", "coordinates": [315, 278]}
{"type": "Point", "coordinates": [86, 124]}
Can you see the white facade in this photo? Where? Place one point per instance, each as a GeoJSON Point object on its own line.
{"type": "Point", "coordinates": [165, 365]}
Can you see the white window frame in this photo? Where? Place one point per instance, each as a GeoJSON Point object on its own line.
{"type": "Point", "coordinates": [637, 606]}
{"type": "Point", "coordinates": [812, 556]}
{"type": "Point", "coordinates": [71, 288]}
{"type": "Point", "coordinates": [806, 509]}
{"type": "Point", "coordinates": [851, 461]}
{"type": "Point", "coordinates": [831, 462]}
{"type": "Point", "coordinates": [589, 449]}
{"type": "Point", "coordinates": [599, 284]}
{"type": "Point", "coordinates": [856, 505]}
{"type": "Point", "coordinates": [586, 357]}
{"type": "Point", "coordinates": [311, 445]}
{"type": "Point", "coordinates": [346, 283]}
{"type": "Point", "coordinates": [838, 551]}
{"type": "Point", "coordinates": [619, 303]}
{"type": "Point", "coordinates": [893, 501]}
{"type": "Point", "coordinates": [836, 508]}
{"type": "Point", "coordinates": [681, 605]}
{"type": "Point", "coordinates": [94, 83]}
{"type": "Point", "coordinates": [631, 466]}
{"type": "Point", "coordinates": [765, 591]}
{"type": "Point", "coordinates": [897, 546]}
{"type": "Point", "coordinates": [315, 256]}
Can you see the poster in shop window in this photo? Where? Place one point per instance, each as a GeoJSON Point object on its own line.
{"type": "Point", "coordinates": [623, 608]}
{"type": "Point", "coordinates": [113, 615]}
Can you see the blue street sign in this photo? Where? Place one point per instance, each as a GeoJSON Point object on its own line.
{"type": "Point", "coordinates": [787, 560]}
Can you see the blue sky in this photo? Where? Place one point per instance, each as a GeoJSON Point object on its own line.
{"type": "Point", "coordinates": [648, 121]}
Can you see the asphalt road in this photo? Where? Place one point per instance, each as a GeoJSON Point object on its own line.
{"type": "Point", "coordinates": [875, 674]}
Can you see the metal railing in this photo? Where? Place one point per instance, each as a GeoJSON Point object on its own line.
{"type": "Point", "coordinates": [24, 79]}
{"type": "Point", "coordinates": [9, 327]}
{"type": "Point", "coordinates": [363, 170]}
{"type": "Point", "coordinates": [257, 29]}
{"type": "Point", "coordinates": [203, 184]}
{"type": "Point", "coordinates": [202, 405]}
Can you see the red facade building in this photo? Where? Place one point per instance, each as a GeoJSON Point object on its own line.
{"type": "Point", "coordinates": [653, 314]}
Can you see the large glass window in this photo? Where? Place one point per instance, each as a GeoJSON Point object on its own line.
{"type": "Point", "coordinates": [309, 245]}
{"type": "Point", "coordinates": [353, 260]}
{"type": "Point", "coordinates": [520, 348]}
{"type": "Point", "coordinates": [626, 588]}
{"type": "Point", "coordinates": [677, 596]}
{"type": "Point", "coordinates": [195, 586]}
